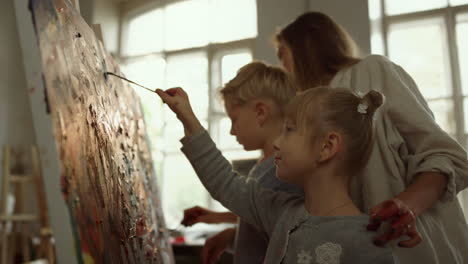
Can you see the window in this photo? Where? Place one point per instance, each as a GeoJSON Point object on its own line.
{"type": "Point", "coordinates": [428, 38]}
{"type": "Point", "coordinates": [198, 45]}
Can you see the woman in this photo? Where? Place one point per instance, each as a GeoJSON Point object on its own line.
{"type": "Point", "coordinates": [415, 169]}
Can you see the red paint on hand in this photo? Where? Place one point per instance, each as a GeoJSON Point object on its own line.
{"type": "Point", "coordinates": [401, 218]}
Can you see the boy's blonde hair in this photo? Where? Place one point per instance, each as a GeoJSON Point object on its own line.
{"type": "Point", "coordinates": [316, 111]}
{"type": "Point", "coordinates": [258, 80]}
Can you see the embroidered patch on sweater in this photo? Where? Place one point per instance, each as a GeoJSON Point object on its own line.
{"type": "Point", "coordinates": [328, 253]}
{"type": "Point", "coordinates": [304, 257]}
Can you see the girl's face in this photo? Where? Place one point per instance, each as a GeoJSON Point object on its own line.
{"type": "Point", "coordinates": [244, 125]}
{"type": "Point", "coordinates": [295, 154]}
{"type": "Point", "coordinates": [285, 56]}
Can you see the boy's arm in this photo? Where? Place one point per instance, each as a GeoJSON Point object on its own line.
{"type": "Point", "coordinates": [199, 214]}
{"type": "Point", "coordinates": [258, 206]}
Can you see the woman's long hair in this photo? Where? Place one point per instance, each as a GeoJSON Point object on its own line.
{"type": "Point", "coordinates": [320, 48]}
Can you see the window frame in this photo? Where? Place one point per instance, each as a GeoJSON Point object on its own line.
{"type": "Point", "coordinates": [380, 26]}
{"type": "Point", "coordinates": [448, 15]}
{"type": "Point", "coordinates": [214, 54]}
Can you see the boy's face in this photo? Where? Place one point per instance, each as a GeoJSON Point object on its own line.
{"type": "Point", "coordinates": [244, 125]}
{"type": "Point", "coordinates": [295, 154]}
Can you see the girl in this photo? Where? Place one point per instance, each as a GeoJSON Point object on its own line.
{"type": "Point", "coordinates": [413, 161]}
{"type": "Point", "coordinates": [326, 140]}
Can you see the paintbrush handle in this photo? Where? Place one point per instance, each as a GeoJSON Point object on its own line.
{"type": "Point", "coordinates": [125, 79]}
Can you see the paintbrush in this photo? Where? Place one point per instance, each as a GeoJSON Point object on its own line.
{"type": "Point", "coordinates": [125, 79]}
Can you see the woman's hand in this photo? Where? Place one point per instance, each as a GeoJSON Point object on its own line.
{"type": "Point", "coordinates": [216, 245]}
{"type": "Point", "coordinates": [403, 222]}
{"type": "Point", "coordinates": [426, 189]}
{"type": "Point", "coordinates": [199, 214]}
{"type": "Point", "coordinates": [178, 102]}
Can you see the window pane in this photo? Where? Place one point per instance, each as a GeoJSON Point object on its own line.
{"type": "Point", "coordinates": [173, 132]}
{"type": "Point", "coordinates": [190, 71]}
{"type": "Point", "coordinates": [224, 139]}
{"type": "Point", "coordinates": [393, 7]}
{"type": "Point", "coordinates": [231, 63]}
{"type": "Point", "coordinates": [233, 20]}
{"type": "Point", "coordinates": [443, 112]}
{"type": "Point", "coordinates": [458, 2]}
{"type": "Point", "coordinates": [187, 24]}
{"type": "Point", "coordinates": [181, 189]}
{"type": "Point", "coordinates": [427, 64]}
{"type": "Point", "coordinates": [375, 19]}
{"type": "Point", "coordinates": [147, 71]}
{"type": "Point", "coordinates": [462, 38]}
{"type": "Point", "coordinates": [145, 34]}
{"type": "Point", "coordinates": [465, 113]}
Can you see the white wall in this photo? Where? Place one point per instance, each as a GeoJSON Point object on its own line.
{"type": "Point", "coordinates": [107, 13]}
{"type": "Point", "coordinates": [352, 15]}
{"type": "Point", "coordinates": [271, 15]}
{"type": "Point", "coordinates": [274, 14]}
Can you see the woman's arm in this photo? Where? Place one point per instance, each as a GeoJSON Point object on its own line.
{"type": "Point", "coordinates": [437, 167]}
{"type": "Point", "coordinates": [406, 206]}
{"type": "Point", "coordinates": [431, 151]}
{"type": "Point", "coordinates": [424, 192]}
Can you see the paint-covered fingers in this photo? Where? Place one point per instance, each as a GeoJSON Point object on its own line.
{"type": "Point", "coordinates": [403, 222]}
{"type": "Point", "coordinates": [380, 241]}
{"type": "Point", "coordinates": [415, 238]}
{"type": "Point", "coordinates": [398, 228]}
{"type": "Point", "coordinates": [216, 245]}
{"type": "Point", "coordinates": [380, 213]}
{"type": "Point", "coordinates": [384, 210]}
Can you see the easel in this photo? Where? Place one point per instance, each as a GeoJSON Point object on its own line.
{"type": "Point", "coordinates": [20, 217]}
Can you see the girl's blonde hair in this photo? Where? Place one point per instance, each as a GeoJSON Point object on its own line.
{"type": "Point", "coordinates": [323, 109]}
{"type": "Point", "coordinates": [320, 48]}
{"type": "Point", "coordinates": [258, 80]}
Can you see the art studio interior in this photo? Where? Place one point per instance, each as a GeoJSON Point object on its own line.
{"type": "Point", "coordinates": [99, 163]}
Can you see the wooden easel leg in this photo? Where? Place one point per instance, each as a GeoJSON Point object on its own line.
{"type": "Point", "coordinates": [4, 244]}
{"type": "Point", "coordinates": [25, 249]}
{"type": "Point", "coordinates": [4, 202]}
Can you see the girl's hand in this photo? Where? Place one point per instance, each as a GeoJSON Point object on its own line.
{"type": "Point", "coordinates": [403, 222]}
{"type": "Point", "coordinates": [216, 245]}
{"type": "Point", "coordinates": [178, 102]}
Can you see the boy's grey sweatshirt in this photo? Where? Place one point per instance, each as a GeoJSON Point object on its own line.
{"type": "Point", "coordinates": [295, 235]}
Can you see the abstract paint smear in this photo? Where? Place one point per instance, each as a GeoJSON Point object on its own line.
{"type": "Point", "coordinates": [108, 179]}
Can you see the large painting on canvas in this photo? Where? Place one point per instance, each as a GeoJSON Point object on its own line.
{"type": "Point", "coordinates": [108, 179]}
